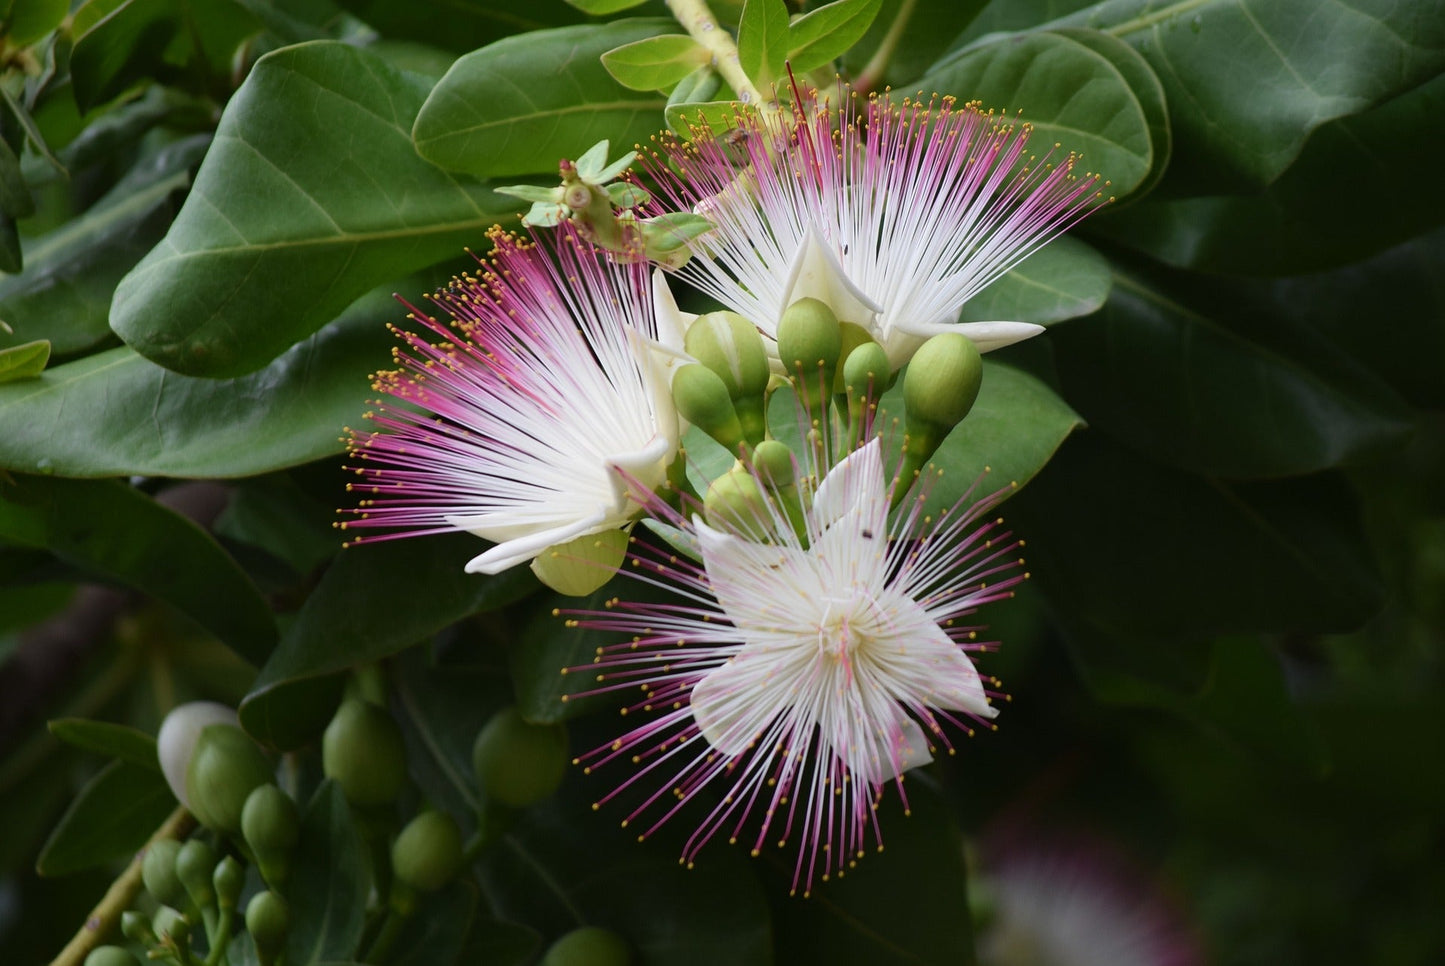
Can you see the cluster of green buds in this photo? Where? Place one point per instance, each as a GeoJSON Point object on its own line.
{"type": "Point", "coordinates": [839, 374]}
{"type": "Point", "coordinates": [236, 872]}
{"type": "Point", "coordinates": [602, 209]}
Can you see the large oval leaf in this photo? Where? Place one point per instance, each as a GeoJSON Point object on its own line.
{"type": "Point", "coordinates": [71, 273]}
{"type": "Point", "coordinates": [1304, 221]}
{"type": "Point", "coordinates": [1139, 548]}
{"type": "Point", "coordinates": [1062, 280]}
{"type": "Point", "coordinates": [562, 865]}
{"type": "Point", "coordinates": [1248, 82]}
{"type": "Point", "coordinates": [1159, 370]}
{"type": "Point", "coordinates": [1068, 92]}
{"type": "Point", "coordinates": [328, 884]}
{"type": "Point", "coordinates": [147, 421]}
{"type": "Point", "coordinates": [118, 533]}
{"type": "Point", "coordinates": [374, 600]}
{"type": "Point", "coordinates": [112, 816]}
{"type": "Point", "coordinates": [310, 196]}
{"type": "Point", "coordinates": [521, 104]}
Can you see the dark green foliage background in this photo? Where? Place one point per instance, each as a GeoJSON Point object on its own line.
{"type": "Point", "coordinates": [1229, 660]}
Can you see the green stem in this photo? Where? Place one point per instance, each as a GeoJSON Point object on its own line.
{"type": "Point", "coordinates": [122, 892]}
{"type": "Point", "coordinates": [695, 16]}
{"type": "Point", "coordinates": [221, 938]}
{"type": "Point", "coordinates": [877, 65]}
{"type": "Point", "coordinates": [399, 909]}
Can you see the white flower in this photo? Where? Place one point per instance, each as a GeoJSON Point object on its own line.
{"type": "Point", "coordinates": [543, 418]}
{"type": "Point", "coordinates": [804, 673]}
{"type": "Point", "coordinates": [893, 215]}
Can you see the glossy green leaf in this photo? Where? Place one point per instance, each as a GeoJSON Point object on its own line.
{"type": "Point", "coordinates": [30, 20]}
{"type": "Point", "coordinates": [1011, 433]}
{"type": "Point", "coordinates": [273, 513]}
{"type": "Point", "coordinates": [1145, 85]}
{"type": "Point", "coordinates": [716, 116]}
{"type": "Point", "coordinates": [273, 242]}
{"type": "Point", "coordinates": [436, 934]}
{"type": "Point", "coordinates": [328, 885]}
{"type": "Point", "coordinates": [498, 943]}
{"type": "Point", "coordinates": [118, 533]}
{"type": "Point", "coordinates": [112, 816]}
{"type": "Point", "coordinates": [109, 739]}
{"type": "Point", "coordinates": [1062, 280]}
{"type": "Point", "coordinates": [1361, 184]}
{"type": "Point", "coordinates": [459, 27]}
{"type": "Point", "coordinates": [520, 105]}
{"type": "Point", "coordinates": [71, 273]}
{"type": "Point", "coordinates": [904, 905]}
{"type": "Point", "coordinates": [763, 41]}
{"type": "Point", "coordinates": [374, 600]}
{"type": "Point", "coordinates": [563, 865]}
{"type": "Point", "coordinates": [927, 33]}
{"type": "Point", "coordinates": [1138, 548]}
{"type": "Point", "coordinates": [1068, 92]}
{"type": "Point", "coordinates": [145, 420]}
{"type": "Point", "coordinates": [1247, 83]}
{"type": "Point", "coordinates": [1387, 313]}
{"type": "Point", "coordinates": [15, 199]}
{"type": "Point", "coordinates": [545, 692]}
{"type": "Point", "coordinates": [600, 8]}
{"type": "Point", "coordinates": [827, 32]}
{"type": "Point", "coordinates": [441, 710]}
{"type": "Point", "coordinates": [655, 63]}
{"type": "Point", "coordinates": [1224, 398]}
{"type": "Point", "coordinates": [122, 47]}
{"type": "Point", "coordinates": [24, 361]}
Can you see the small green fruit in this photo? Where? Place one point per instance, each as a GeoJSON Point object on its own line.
{"type": "Point", "coordinates": [225, 768]}
{"type": "Point", "coordinates": [428, 852]}
{"type": "Point", "coordinates": [773, 462]}
{"type": "Point", "coordinates": [110, 956]}
{"type": "Point", "coordinates": [271, 828]}
{"type": "Point", "coordinates": [589, 946]}
{"type": "Point", "coordinates": [942, 382]}
{"type": "Point", "coordinates": [158, 872]}
{"type": "Point", "coordinates": [730, 346]}
{"type": "Point", "coordinates": [229, 879]}
{"type": "Point", "coordinates": [702, 399]}
{"type": "Point", "coordinates": [267, 920]}
{"type": "Point", "coordinates": [581, 565]}
{"type": "Point", "coordinates": [810, 340]}
{"type": "Point", "coordinates": [363, 752]}
{"type": "Point", "coordinates": [171, 926]}
{"type": "Point", "coordinates": [735, 503]}
{"type": "Point", "coordinates": [518, 763]}
{"type": "Point", "coordinates": [136, 928]}
{"type": "Point", "coordinates": [194, 866]}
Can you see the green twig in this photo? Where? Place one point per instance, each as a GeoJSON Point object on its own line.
{"type": "Point", "coordinates": [704, 28]}
{"type": "Point", "coordinates": [877, 66]}
{"type": "Point", "coordinates": [122, 892]}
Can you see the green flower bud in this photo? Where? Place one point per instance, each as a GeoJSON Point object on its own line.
{"type": "Point", "coordinates": [363, 752]}
{"type": "Point", "coordinates": [809, 342]}
{"type": "Point", "coordinates": [589, 946]}
{"type": "Point", "coordinates": [774, 463]}
{"type": "Point", "coordinates": [939, 389]}
{"type": "Point", "coordinates": [110, 956]}
{"type": "Point", "coordinates": [852, 336]}
{"type": "Point", "coordinates": [171, 927]}
{"type": "Point", "coordinates": [428, 852]}
{"type": "Point", "coordinates": [137, 928]}
{"type": "Point", "coordinates": [158, 872]}
{"type": "Point", "coordinates": [730, 346]}
{"type": "Point", "coordinates": [225, 768]}
{"type": "Point", "coordinates": [736, 504]}
{"type": "Point", "coordinates": [194, 865]}
{"type": "Point", "coordinates": [176, 741]}
{"type": "Point", "coordinates": [702, 399]}
{"type": "Point", "coordinates": [579, 566]}
{"type": "Point", "coordinates": [271, 827]}
{"type": "Point", "coordinates": [228, 880]}
{"type": "Point", "coordinates": [267, 920]}
{"type": "Point", "coordinates": [865, 373]}
{"type": "Point", "coordinates": [517, 762]}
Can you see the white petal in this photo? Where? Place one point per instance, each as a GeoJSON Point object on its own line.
{"type": "Point", "coordinates": [524, 547]}
{"type": "Point", "coordinates": [671, 321]}
{"type": "Point", "coordinates": [726, 704]}
{"type": "Point", "coordinates": [986, 335]}
{"type": "Point", "coordinates": [921, 664]}
{"type": "Point", "coordinates": [759, 586]}
{"type": "Point", "coordinates": [817, 273]}
{"type": "Point", "coordinates": [176, 741]}
{"type": "Point", "coordinates": [855, 483]}
{"type": "Point", "coordinates": [899, 748]}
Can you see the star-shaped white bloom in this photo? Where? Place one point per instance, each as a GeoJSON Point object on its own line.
{"type": "Point", "coordinates": [803, 672]}
{"type": "Point", "coordinates": [894, 215]}
{"type": "Point", "coordinates": [545, 417]}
